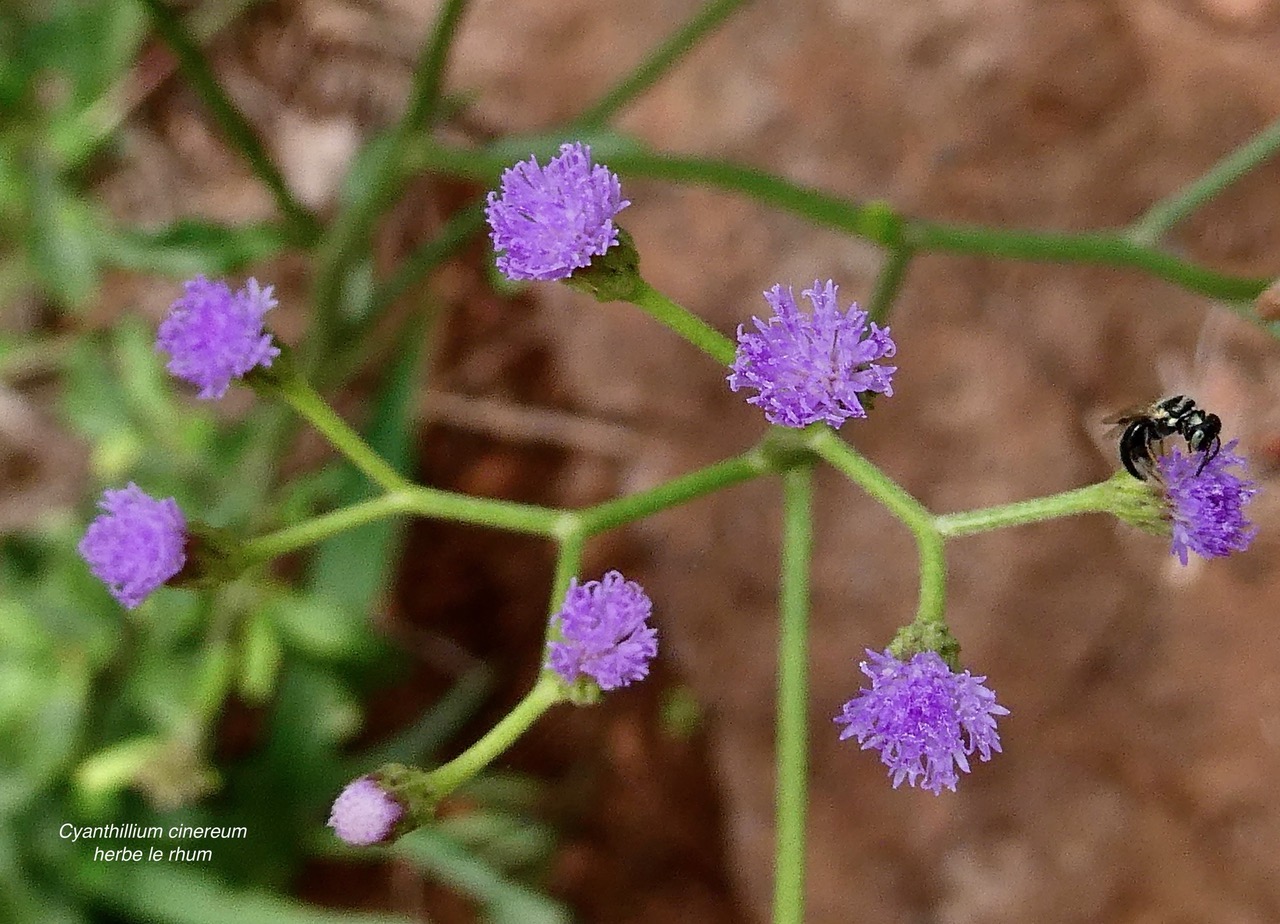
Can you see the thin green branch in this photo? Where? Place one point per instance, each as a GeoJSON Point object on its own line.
{"type": "Point", "coordinates": [685, 323]}
{"type": "Point", "coordinates": [881, 224]}
{"type": "Point", "coordinates": [1094, 498]}
{"type": "Point", "coordinates": [659, 61]}
{"type": "Point", "coordinates": [1166, 213]}
{"type": "Point", "coordinates": [348, 236]}
{"type": "Point", "coordinates": [484, 511]}
{"type": "Point", "coordinates": [307, 402]}
{"type": "Point", "coordinates": [317, 529]}
{"type": "Point", "coordinates": [793, 696]}
{"type": "Point", "coordinates": [446, 778]}
{"type": "Point", "coordinates": [232, 121]}
{"type": "Point", "coordinates": [614, 513]}
{"type": "Point", "coordinates": [889, 283]}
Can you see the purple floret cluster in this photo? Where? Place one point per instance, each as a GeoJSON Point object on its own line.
{"type": "Point", "coordinates": [807, 368]}
{"type": "Point", "coordinates": [549, 221]}
{"type": "Point", "coordinates": [214, 335]}
{"type": "Point", "coordinates": [364, 813]}
{"type": "Point", "coordinates": [1206, 506]}
{"type": "Point", "coordinates": [136, 543]}
{"type": "Point", "coordinates": [604, 633]}
{"type": "Point", "coordinates": [925, 719]}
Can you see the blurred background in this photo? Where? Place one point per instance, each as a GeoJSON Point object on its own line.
{"type": "Point", "coordinates": [1137, 779]}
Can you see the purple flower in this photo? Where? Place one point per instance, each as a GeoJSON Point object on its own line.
{"type": "Point", "coordinates": [924, 718]}
{"type": "Point", "coordinates": [603, 633]}
{"type": "Point", "coordinates": [364, 813]}
{"type": "Point", "coordinates": [808, 368]}
{"type": "Point", "coordinates": [214, 335]}
{"type": "Point", "coordinates": [1207, 510]}
{"type": "Point", "coordinates": [136, 543]}
{"type": "Point", "coordinates": [552, 220]}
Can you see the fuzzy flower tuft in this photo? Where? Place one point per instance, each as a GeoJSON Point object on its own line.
{"type": "Point", "coordinates": [923, 718]}
{"type": "Point", "coordinates": [214, 335]}
{"type": "Point", "coordinates": [808, 368]}
{"type": "Point", "coordinates": [604, 633]}
{"type": "Point", "coordinates": [364, 813]}
{"type": "Point", "coordinates": [1207, 510]}
{"type": "Point", "coordinates": [136, 543]}
{"type": "Point", "coordinates": [550, 221]}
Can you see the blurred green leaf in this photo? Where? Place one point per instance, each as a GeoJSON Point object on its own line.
{"type": "Point", "coordinates": [60, 240]}
{"type": "Point", "coordinates": [260, 657]}
{"type": "Point", "coordinates": [503, 901]}
{"type": "Point", "coordinates": [172, 895]}
{"type": "Point", "coordinates": [189, 247]}
{"type": "Point", "coordinates": [317, 626]}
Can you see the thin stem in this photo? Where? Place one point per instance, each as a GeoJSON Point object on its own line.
{"type": "Point", "coordinates": [862, 472]}
{"type": "Point", "coordinates": [793, 696]}
{"type": "Point", "coordinates": [704, 481]}
{"type": "Point", "coordinates": [896, 499]}
{"type": "Point", "coordinates": [659, 61]}
{"type": "Point", "coordinates": [309, 532]}
{"type": "Point", "coordinates": [568, 566]}
{"type": "Point", "coordinates": [880, 223]}
{"type": "Point", "coordinates": [448, 777]}
{"type": "Point", "coordinates": [424, 97]}
{"type": "Point", "coordinates": [889, 283]}
{"type": "Point", "coordinates": [1168, 212]}
{"type": "Point", "coordinates": [232, 121]}
{"type": "Point", "coordinates": [484, 511]}
{"type": "Point", "coordinates": [685, 323]}
{"type": "Point", "coordinates": [1094, 498]}
{"type": "Point", "coordinates": [351, 230]}
{"type": "Point", "coordinates": [307, 402]}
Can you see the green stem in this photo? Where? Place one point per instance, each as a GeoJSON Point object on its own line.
{"type": "Point", "coordinates": [889, 283]}
{"type": "Point", "coordinates": [424, 97]}
{"type": "Point", "coordinates": [890, 494]}
{"type": "Point", "coordinates": [1095, 498]}
{"type": "Point", "coordinates": [685, 323]}
{"type": "Point", "coordinates": [659, 61]}
{"type": "Point", "coordinates": [232, 121]}
{"type": "Point", "coordinates": [348, 236]}
{"type": "Point", "coordinates": [793, 697]}
{"type": "Point", "coordinates": [292, 538]}
{"type": "Point", "coordinates": [878, 222]}
{"type": "Point", "coordinates": [610, 514]}
{"type": "Point", "coordinates": [307, 402]}
{"type": "Point", "coordinates": [1168, 212]}
{"type": "Point", "coordinates": [483, 511]}
{"type": "Point", "coordinates": [896, 499]}
{"type": "Point", "coordinates": [447, 777]}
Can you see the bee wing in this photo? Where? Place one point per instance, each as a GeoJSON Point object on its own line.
{"type": "Point", "coordinates": [1127, 416]}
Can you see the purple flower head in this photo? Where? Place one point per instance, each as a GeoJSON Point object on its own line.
{"type": "Point", "coordinates": [364, 813]}
{"type": "Point", "coordinates": [603, 633]}
{"type": "Point", "coordinates": [923, 718]}
{"type": "Point", "coordinates": [808, 368]}
{"type": "Point", "coordinates": [1207, 510]}
{"type": "Point", "coordinates": [136, 543]}
{"type": "Point", "coordinates": [550, 221]}
{"type": "Point", "coordinates": [214, 335]}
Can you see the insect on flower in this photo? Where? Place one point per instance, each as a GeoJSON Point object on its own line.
{"type": "Point", "coordinates": [1142, 430]}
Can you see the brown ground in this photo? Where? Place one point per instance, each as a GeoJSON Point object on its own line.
{"type": "Point", "coordinates": [1137, 780]}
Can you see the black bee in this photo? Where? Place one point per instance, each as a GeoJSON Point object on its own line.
{"type": "Point", "coordinates": [1178, 415]}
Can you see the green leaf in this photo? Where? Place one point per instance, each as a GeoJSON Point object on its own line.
{"type": "Point", "coordinates": [190, 246]}
{"type": "Point", "coordinates": [60, 240]}
{"type": "Point", "coordinates": [260, 656]}
{"type": "Point", "coordinates": [503, 901]}
{"type": "Point", "coordinates": [165, 894]}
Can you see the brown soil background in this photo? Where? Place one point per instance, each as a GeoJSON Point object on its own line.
{"type": "Point", "coordinates": [1138, 779]}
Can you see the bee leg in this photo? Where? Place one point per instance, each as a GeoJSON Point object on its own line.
{"type": "Point", "coordinates": [1210, 452]}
